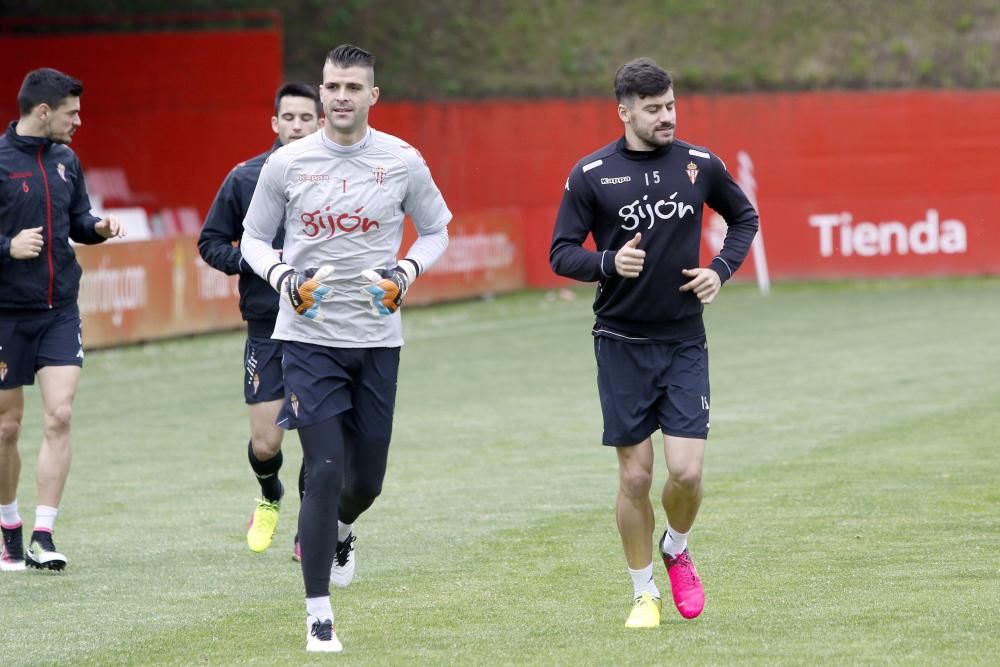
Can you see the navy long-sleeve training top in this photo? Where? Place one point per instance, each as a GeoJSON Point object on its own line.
{"type": "Point", "coordinates": [615, 192]}
{"type": "Point", "coordinates": [224, 227]}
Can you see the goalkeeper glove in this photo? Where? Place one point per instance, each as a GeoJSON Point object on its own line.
{"type": "Point", "coordinates": [387, 287]}
{"type": "Point", "coordinates": [304, 291]}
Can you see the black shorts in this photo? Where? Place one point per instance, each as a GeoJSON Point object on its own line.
{"type": "Point", "coordinates": [651, 385]}
{"type": "Point", "coordinates": [53, 338]}
{"type": "Point", "coordinates": [322, 382]}
{"type": "Point", "coordinates": [262, 378]}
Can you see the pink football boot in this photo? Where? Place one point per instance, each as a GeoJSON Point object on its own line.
{"type": "Point", "coordinates": [685, 584]}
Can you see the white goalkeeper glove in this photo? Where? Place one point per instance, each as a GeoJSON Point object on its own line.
{"type": "Point", "coordinates": [387, 287]}
{"type": "Point", "coordinates": [304, 291]}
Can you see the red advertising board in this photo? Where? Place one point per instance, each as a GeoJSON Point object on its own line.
{"type": "Point", "coordinates": [152, 289]}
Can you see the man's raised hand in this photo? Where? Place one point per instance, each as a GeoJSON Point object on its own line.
{"type": "Point", "coordinates": [629, 259]}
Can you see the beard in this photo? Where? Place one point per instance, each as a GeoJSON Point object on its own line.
{"type": "Point", "coordinates": [651, 140]}
{"type": "Point", "coordinates": [59, 137]}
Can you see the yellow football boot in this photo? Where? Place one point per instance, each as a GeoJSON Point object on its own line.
{"type": "Point", "coordinates": [645, 612]}
{"type": "Point", "coordinates": [263, 523]}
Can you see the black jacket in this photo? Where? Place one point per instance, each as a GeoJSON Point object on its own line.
{"type": "Point", "coordinates": [614, 193]}
{"type": "Point", "coordinates": [224, 227]}
{"type": "Point", "coordinates": [41, 185]}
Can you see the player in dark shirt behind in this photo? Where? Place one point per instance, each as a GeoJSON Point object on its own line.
{"type": "Point", "coordinates": [297, 113]}
{"type": "Point", "coordinates": [641, 199]}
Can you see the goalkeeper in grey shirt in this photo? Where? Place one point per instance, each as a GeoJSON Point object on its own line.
{"type": "Point", "coordinates": [341, 195]}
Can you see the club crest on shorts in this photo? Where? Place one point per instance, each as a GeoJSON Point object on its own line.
{"type": "Point", "coordinates": [61, 168]}
{"type": "Point", "coordinates": [293, 401]}
{"type": "Point", "coordinates": [256, 382]}
{"type": "Point", "coordinates": [692, 171]}
{"type": "Point", "coordinates": [379, 172]}
{"type": "Point", "coordinates": [3, 371]}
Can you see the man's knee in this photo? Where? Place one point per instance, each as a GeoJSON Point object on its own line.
{"type": "Point", "coordinates": [59, 417]}
{"type": "Point", "coordinates": [635, 481]}
{"type": "Point", "coordinates": [10, 429]}
{"type": "Point", "coordinates": [266, 444]}
{"type": "Point", "coordinates": [687, 476]}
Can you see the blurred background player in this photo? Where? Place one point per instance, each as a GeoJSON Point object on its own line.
{"type": "Point", "coordinates": [43, 204]}
{"type": "Point", "coordinates": [341, 195]}
{"type": "Point", "coordinates": [297, 113]}
{"type": "Point", "coordinates": [641, 199]}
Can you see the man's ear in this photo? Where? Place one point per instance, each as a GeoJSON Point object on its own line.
{"type": "Point", "coordinates": [623, 113]}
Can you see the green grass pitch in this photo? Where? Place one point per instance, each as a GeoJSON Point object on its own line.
{"type": "Point", "coordinates": [851, 514]}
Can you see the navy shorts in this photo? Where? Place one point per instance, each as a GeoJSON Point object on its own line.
{"type": "Point", "coordinates": [652, 385]}
{"type": "Point", "coordinates": [262, 377]}
{"type": "Point", "coordinates": [53, 338]}
{"type": "Point", "coordinates": [322, 382]}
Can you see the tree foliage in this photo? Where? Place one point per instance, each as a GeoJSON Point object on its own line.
{"type": "Point", "coordinates": [543, 48]}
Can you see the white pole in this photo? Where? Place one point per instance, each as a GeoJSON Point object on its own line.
{"type": "Point", "coordinates": [745, 179]}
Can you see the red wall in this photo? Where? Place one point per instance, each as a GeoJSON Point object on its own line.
{"type": "Point", "coordinates": [908, 158]}
{"type": "Point", "coordinates": [176, 110]}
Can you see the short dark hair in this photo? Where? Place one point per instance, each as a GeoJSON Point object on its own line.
{"type": "Point", "coordinates": [348, 55]}
{"type": "Point", "coordinates": [298, 89]}
{"type": "Point", "coordinates": [641, 78]}
{"type": "Point", "coordinates": [46, 85]}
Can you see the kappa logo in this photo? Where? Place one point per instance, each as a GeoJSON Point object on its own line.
{"type": "Point", "coordinates": [312, 178]}
{"type": "Point", "coordinates": [615, 180]}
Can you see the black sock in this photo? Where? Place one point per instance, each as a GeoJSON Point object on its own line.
{"type": "Point", "coordinates": [267, 475]}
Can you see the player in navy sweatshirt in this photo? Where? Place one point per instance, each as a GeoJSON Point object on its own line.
{"type": "Point", "coordinates": [297, 113]}
{"type": "Point", "coordinates": [641, 199]}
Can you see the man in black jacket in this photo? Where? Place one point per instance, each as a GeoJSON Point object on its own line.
{"type": "Point", "coordinates": [297, 113]}
{"type": "Point", "coordinates": [43, 204]}
{"type": "Point", "coordinates": [641, 199]}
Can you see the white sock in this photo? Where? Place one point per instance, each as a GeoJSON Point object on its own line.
{"type": "Point", "coordinates": [343, 530]}
{"type": "Point", "coordinates": [45, 517]}
{"type": "Point", "coordinates": [9, 515]}
{"type": "Point", "coordinates": [642, 581]}
{"type": "Point", "coordinates": [319, 608]}
{"type": "Point", "coordinates": [674, 542]}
